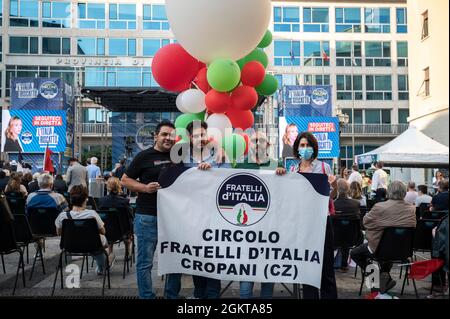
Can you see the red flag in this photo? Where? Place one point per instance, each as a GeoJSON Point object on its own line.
{"type": "Point", "coordinates": [325, 56]}
{"type": "Point", "coordinates": [48, 165]}
{"type": "Point", "coordinates": [422, 269]}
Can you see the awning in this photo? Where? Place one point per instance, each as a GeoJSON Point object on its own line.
{"type": "Point", "coordinates": [411, 149]}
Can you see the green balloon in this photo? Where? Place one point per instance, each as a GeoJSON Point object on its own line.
{"type": "Point", "coordinates": [234, 146]}
{"type": "Point", "coordinates": [256, 55]}
{"type": "Point", "coordinates": [223, 75]}
{"type": "Point", "coordinates": [183, 120]}
{"type": "Point", "coordinates": [269, 86]}
{"type": "Point", "coordinates": [266, 40]}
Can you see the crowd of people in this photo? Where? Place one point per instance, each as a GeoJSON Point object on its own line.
{"type": "Point", "coordinates": [388, 204]}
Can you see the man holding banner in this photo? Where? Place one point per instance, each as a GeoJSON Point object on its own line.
{"type": "Point", "coordinates": [243, 225]}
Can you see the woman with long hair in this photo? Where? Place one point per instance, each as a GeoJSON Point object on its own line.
{"type": "Point", "coordinates": [356, 193]}
{"type": "Point", "coordinates": [12, 132]}
{"type": "Point", "coordinates": [15, 186]}
{"type": "Point", "coordinates": [290, 135]}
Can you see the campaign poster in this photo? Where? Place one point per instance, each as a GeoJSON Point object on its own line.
{"type": "Point", "coordinates": [31, 131]}
{"type": "Point", "coordinates": [306, 100]}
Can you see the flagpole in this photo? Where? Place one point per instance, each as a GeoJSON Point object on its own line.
{"type": "Point", "coordinates": [353, 103]}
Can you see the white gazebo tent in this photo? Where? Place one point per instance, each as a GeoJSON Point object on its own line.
{"type": "Point", "coordinates": [412, 149]}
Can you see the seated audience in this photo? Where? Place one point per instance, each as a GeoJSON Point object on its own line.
{"type": "Point", "coordinates": [15, 187]}
{"type": "Point", "coordinates": [423, 197]}
{"type": "Point", "coordinates": [440, 200]}
{"type": "Point", "coordinates": [45, 197]}
{"type": "Point", "coordinates": [60, 185]}
{"type": "Point", "coordinates": [345, 205]}
{"type": "Point", "coordinates": [78, 198]}
{"type": "Point", "coordinates": [114, 199]}
{"type": "Point", "coordinates": [411, 195]}
{"type": "Point", "coordinates": [356, 193]}
{"type": "Point", "coordinates": [3, 180]}
{"type": "Point", "coordinates": [395, 212]}
{"type": "Point", "coordinates": [34, 185]}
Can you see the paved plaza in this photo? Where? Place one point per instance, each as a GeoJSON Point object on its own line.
{"type": "Point", "coordinates": [90, 284]}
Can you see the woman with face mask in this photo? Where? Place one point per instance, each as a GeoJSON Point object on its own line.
{"type": "Point", "coordinates": [306, 149]}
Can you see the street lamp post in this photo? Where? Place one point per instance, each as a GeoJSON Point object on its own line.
{"type": "Point", "coordinates": [344, 119]}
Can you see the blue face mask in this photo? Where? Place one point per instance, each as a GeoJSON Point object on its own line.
{"type": "Point", "coordinates": [306, 153]}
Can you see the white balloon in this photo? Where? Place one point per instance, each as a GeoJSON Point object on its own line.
{"type": "Point", "coordinates": [219, 29]}
{"type": "Point", "coordinates": [179, 103]}
{"type": "Point", "coordinates": [218, 126]}
{"type": "Point", "coordinates": [193, 101]}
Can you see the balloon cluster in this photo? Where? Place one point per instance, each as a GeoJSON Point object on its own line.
{"type": "Point", "coordinates": [225, 91]}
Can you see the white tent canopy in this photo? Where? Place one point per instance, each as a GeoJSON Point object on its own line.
{"type": "Point", "coordinates": [410, 149]}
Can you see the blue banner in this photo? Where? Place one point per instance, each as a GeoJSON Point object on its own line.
{"type": "Point", "coordinates": [306, 100]}
{"type": "Point", "coordinates": [325, 129]}
{"type": "Point", "coordinates": [40, 93]}
{"type": "Point", "coordinates": [30, 131]}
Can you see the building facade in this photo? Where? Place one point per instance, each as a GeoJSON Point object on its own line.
{"type": "Point", "coordinates": [429, 73]}
{"type": "Point", "coordinates": [111, 43]}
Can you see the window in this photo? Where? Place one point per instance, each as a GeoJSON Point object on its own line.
{"type": "Point", "coordinates": [425, 26]}
{"type": "Point", "coordinates": [55, 45]}
{"type": "Point", "coordinates": [287, 79]}
{"type": "Point", "coordinates": [379, 87]}
{"type": "Point", "coordinates": [316, 20]}
{"type": "Point", "coordinates": [122, 16]}
{"type": "Point", "coordinates": [427, 81]}
{"type": "Point", "coordinates": [122, 47]}
{"type": "Point", "coordinates": [151, 46]}
{"type": "Point", "coordinates": [403, 88]}
{"type": "Point", "coordinates": [358, 115]}
{"type": "Point", "coordinates": [402, 20]}
{"type": "Point", "coordinates": [348, 20]}
{"type": "Point", "coordinates": [317, 79]}
{"type": "Point", "coordinates": [155, 17]}
{"type": "Point", "coordinates": [119, 77]}
{"type": "Point", "coordinates": [93, 115]}
{"type": "Point", "coordinates": [91, 15]}
{"type": "Point", "coordinates": [313, 53]}
{"type": "Point", "coordinates": [56, 14]}
{"type": "Point", "coordinates": [348, 53]}
{"type": "Point", "coordinates": [24, 13]}
{"type": "Point", "coordinates": [1, 16]}
{"type": "Point", "coordinates": [378, 116]}
{"type": "Point", "coordinates": [402, 53]}
{"type": "Point", "coordinates": [377, 20]}
{"type": "Point", "coordinates": [378, 54]}
{"type": "Point", "coordinates": [91, 46]}
{"type": "Point", "coordinates": [23, 45]}
{"type": "Point", "coordinates": [403, 115]}
{"type": "Point", "coordinates": [1, 54]}
{"type": "Point", "coordinates": [287, 53]}
{"type": "Point", "coordinates": [346, 90]}
{"type": "Point", "coordinates": [286, 19]}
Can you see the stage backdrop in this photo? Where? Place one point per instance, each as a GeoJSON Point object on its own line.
{"type": "Point", "coordinates": [242, 225]}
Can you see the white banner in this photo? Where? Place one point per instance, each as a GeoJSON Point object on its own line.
{"type": "Point", "coordinates": [242, 225]}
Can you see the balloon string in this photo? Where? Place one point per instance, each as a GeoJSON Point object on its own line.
{"type": "Point", "coordinates": [195, 84]}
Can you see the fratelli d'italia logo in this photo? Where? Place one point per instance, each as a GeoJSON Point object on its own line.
{"type": "Point", "coordinates": [319, 96]}
{"type": "Point", "coordinates": [48, 90]}
{"type": "Point", "coordinates": [243, 199]}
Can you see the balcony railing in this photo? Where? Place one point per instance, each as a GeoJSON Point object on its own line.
{"type": "Point", "coordinates": [375, 129]}
{"type": "Point", "coordinates": [96, 129]}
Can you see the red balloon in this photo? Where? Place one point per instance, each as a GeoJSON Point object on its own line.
{"type": "Point", "coordinates": [202, 80]}
{"type": "Point", "coordinates": [253, 74]}
{"type": "Point", "coordinates": [201, 65]}
{"type": "Point", "coordinates": [174, 68]}
{"type": "Point", "coordinates": [241, 119]}
{"type": "Point", "coordinates": [217, 102]}
{"type": "Point", "coordinates": [244, 98]}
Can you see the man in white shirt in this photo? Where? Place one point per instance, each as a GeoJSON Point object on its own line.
{"type": "Point", "coordinates": [423, 197]}
{"type": "Point", "coordinates": [411, 195]}
{"type": "Point", "coordinates": [355, 176]}
{"type": "Point", "coordinates": [379, 182]}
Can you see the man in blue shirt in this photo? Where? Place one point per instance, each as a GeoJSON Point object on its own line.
{"type": "Point", "coordinates": [93, 169]}
{"type": "Point", "coordinates": [440, 200]}
{"type": "Point", "coordinates": [45, 197]}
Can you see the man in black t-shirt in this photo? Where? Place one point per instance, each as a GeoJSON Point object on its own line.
{"type": "Point", "coordinates": [142, 176]}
